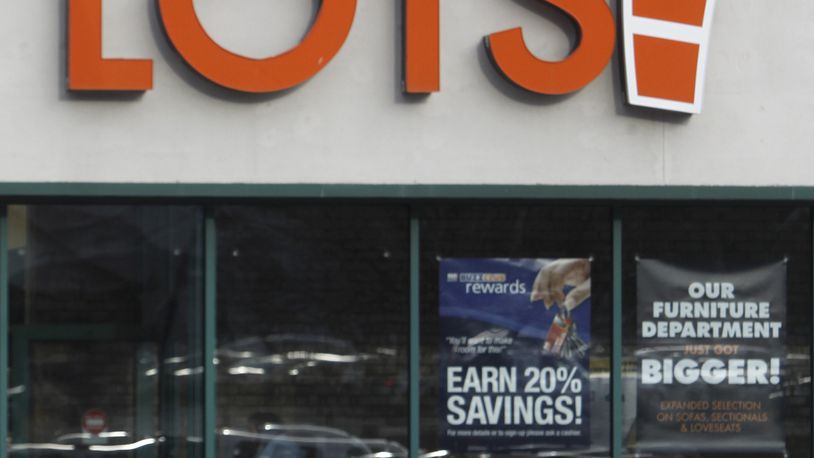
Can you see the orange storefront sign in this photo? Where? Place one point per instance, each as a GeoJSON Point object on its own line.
{"type": "Point", "coordinates": [663, 68]}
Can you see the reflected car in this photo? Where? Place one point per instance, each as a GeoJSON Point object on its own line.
{"type": "Point", "coordinates": [282, 356]}
{"type": "Point", "coordinates": [108, 444]}
{"type": "Point", "coordinates": [303, 441]}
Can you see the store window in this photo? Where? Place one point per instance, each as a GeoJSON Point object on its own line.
{"type": "Point", "coordinates": [313, 330]}
{"type": "Point", "coordinates": [105, 306]}
{"type": "Point", "coordinates": [515, 329]}
{"type": "Point", "coordinates": [312, 334]}
{"type": "Point", "coordinates": [717, 330]}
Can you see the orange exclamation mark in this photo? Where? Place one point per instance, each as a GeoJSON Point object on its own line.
{"type": "Point", "coordinates": [666, 45]}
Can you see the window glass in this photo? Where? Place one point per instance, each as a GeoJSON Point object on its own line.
{"type": "Point", "coordinates": [105, 331]}
{"type": "Point", "coordinates": [481, 315]}
{"type": "Point", "coordinates": [313, 307]}
{"type": "Point", "coordinates": [313, 330]}
{"type": "Point", "coordinates": [717, 330]}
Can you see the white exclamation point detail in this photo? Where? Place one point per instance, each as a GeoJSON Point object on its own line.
{"type": "Point", "coordinates": [775, 370]}
{"type": "Point", "coordinates": [578, 407]}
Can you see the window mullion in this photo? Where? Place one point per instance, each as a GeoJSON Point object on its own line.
{"type": "Point", "coordinates": [616, 336]}
{"type": "Point", "coordinates": [414, 431]}
{"type": "Point", "coordinates": [210, 329]}
{"type": "Point", "coordinates": [4, 331]}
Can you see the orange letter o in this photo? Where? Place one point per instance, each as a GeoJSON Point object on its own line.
{"type": "Point", "coordinates": [293, 67]}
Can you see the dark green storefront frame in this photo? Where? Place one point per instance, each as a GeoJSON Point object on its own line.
{"type": "Point", "coordinates": [384, 191]}
{"type": "Point", "coordinates": [208, 194]}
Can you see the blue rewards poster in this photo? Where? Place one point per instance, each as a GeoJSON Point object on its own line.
{"type": "Point", "coordinates": [515, 336]}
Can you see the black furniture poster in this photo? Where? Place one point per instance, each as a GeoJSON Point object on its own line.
{"type": "Point", "coordinates": [710, 356]}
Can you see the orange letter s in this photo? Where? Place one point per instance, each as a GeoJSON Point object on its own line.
{"type": "Point", "coordinates": [597, 32]}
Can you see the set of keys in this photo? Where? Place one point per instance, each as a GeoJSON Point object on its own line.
{"type": "Point", "coordinates": [562, 338]}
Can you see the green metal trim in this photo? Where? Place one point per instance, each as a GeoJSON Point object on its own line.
{"type": "Point", "coordinates": [21, 191]}
{"type": "Point", "coordinates": [144, 396]}
{"type": "Point", "coordinates": [210, 334]}
{"type": "Point", "coordinates": [415, 335]}
{"type": "Point", "coordinates": [195, 344]}
{"type": "Point", "coordinates": [616, 335]}
{"type": "Point", "coordinates": [4, 337]}
{"type": "Point", "coordinates": [21, 372]}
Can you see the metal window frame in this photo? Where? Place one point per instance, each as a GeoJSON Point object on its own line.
{"type": "Point", "coordinates": [208, 191]}
{"type": "Point", "coordinates": [206, 195]}
{"type": "Point", "coordinates": [4, 342]}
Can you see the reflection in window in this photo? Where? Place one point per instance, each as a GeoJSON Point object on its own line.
{"type": "Point", "coordinates": [105, 331]}
{"type": "Point", "coordinates": [312, 331]}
